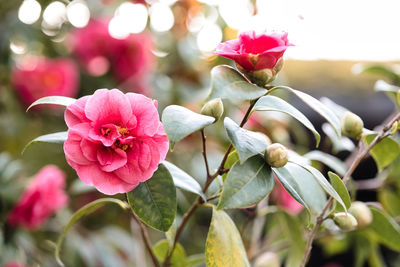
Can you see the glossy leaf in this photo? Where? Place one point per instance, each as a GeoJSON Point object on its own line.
{"type": "Point", "coordinates": [246, 184]}
{"type": "Point", "coordinates": [332, 162]}
{"type": "Point", "coordinates": [390, 200]}
{"type": "Point", "coordinates": [57, 138]}
{"type": "Point", "coordinates": [195, 260]}
{"type": "Point", "coordinates": [226, 82]}
{"type": "Point", "coordinates": [233, 157]}
{"type": "Point", "coordinates": [338, 143]}
{"type": "Point", "coordinates": [85, 210]}
{"type": "Point", "coordinates": [224, 246]}
{"type": "Point", "coordinates": [246, 143]}
{"type": "Point", "coordinates": [154, 201]}
{"type": "Point", "coordinates": [273, 103]}
{"type": "Point", "coordinates": [179, 122]}
{"type": "Point", "coordinates": [340, 188]}
{"type": "Point", "coordinates": [386, 229]}
{"type": "Point", "coordinates": [178, 257]}
{"type": "Point", "coordinates": [380, 70]}
{"type": "Point", "coordinates": [325, 184]}
{"type": "Point", "coordinates": [56, 100]}
{"type": "Point", "coordinates": [306, 189]}
{"type": "Point", "coordinates": [317, 106]}
{"type": "Point", "coordinates": [183, 180]}
{"type": "Point", "coordinates": [382, 86]}
{"type": "Point", "coordinates": [385, 152]}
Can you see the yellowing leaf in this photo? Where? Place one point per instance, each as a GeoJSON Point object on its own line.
{"type": "Point", "coordinates": [224, 246]}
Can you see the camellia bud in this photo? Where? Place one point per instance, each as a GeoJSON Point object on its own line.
{"type": "Point", "coordinates": [267, 259]}
{"type": "Point", "coordinates": [276, 155]}
{"type": "Point", "coordinates": [261, 77]}
{"type": "Point", "coordinates": [361, 212]}
{"type": "Point", "coordinates": [213, 108]}
{"type": "Point", "coordinates": [352, 125]}
{"type": "Point", "coordinates": [345, 221]}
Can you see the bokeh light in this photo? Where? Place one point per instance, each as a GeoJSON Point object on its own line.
{"type": "Point", "coordinates": [29, 11]}
{"type": "Point", "coordinates": [55, 14]}
{"type": "Point", "coordinates": [134, 16]}
{"type": "Point", "coordinates": [161, 17]}
{"type": "Point", "coordinates": [78, 14]}
{"type": "Point", "coordinates": [117, 28]}
{"type": "Point", "coordinates": [209, 37]}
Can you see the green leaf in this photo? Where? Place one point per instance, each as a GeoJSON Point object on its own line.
{"type": "Point", "coordinates": [154, 201]}
{"type": "Point", "coordinates": [183, 180]}
{"type": "Point", "coordinates": [195, 260]}
{"type": "Point", "coordinates": [233, 157]}
{"type": "Point", "coordinates": [386, 229]}
{"type": "Point", "coordinates": [246, 143]}
{"type": "Point", "coordinates": [56, 100]}
{"type": "Point", "coordinates": [179, 122]}
{"type": "Point", "coordinates": [325, 184]}
{"type": "Point", "coordinates": [301, 185]}
{"type": "Point", "coordinates": [390, 200]}
{"type": "Point", "coordinates": [340, 188]}
{"type": "Point", "coordinates": [85, 210]}
{"type": "Point", "coordinates": [317, 106]}
{"type": "Point", "coordinates": [385, 152]}
{"type": "Point", "coordinates": [224, 246]}
{"type": "Point", "coordinates": [338, 143]}
{"type": "Point", "coordinates": [332, 162]}
{"type": "Point", "coordinates": [57, 138]}
{"type": "Point", "coordinates": [273, 103]}
{"type": "Point", "coordinates": [226, 82]}
{"type": "Point", "coordinates": [382, 86]}
{"type": "Point", "coordinates": [246, 184]}
{"type": "Point", "coordinates": [178, 258]}
{"type": "Point", "coordinates": [380, 70]}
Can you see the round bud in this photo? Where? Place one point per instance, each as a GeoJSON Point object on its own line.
{"type": "Point", "coordinates": [352, 125]}
{"type": "Point", "coordinates": [213, 108]}
{"type": "Point", "coordinates": [267, 259]}
{"type": "Point", "coordinates": [345, 221]}
{"type": "Point", "coordinates": [276, 155]}
{"type": "Point", "coordinates": [261, 77]}
{"type": "Point", "coordinates": [361, 212]}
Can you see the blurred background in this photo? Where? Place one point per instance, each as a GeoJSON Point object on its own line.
{"type": "Point", "coordinates": [164, 49]}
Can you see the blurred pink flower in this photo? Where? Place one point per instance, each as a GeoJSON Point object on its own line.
{"type": "Point", "coordinates": [115, 140]}
{"type": "Point", "coordinates": [254, 52]}
{"type": "Point", "coordinates": [283, 199]}
{"type": "Point", "coordinates": [14, 264]}
{"type": "Point", "coordinates": [130, 60]}
{"type": "Point", "coordinates": [39, 77]}
{"type": "Point", "coordinates": [43, 197]}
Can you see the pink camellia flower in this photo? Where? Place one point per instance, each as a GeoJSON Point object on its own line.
{"type": "Point", "coordinates": [36, 77]}
{"type": "Point", "coordinates": [43, 197]}
{"type": "Point", "coordinates": [14, 264]}
{"type": "Point", "coordinates": [130, 59]}
{"type": "Point", "coordinates": [283, 199]}
{"type": "Point", "coordinates": [255, 52]}
{"type": "Point", "coordinates": [115, 140]}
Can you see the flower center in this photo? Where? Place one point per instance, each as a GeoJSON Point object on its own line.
{"type": "Point", "coordinates": [122, 146]}
{"type": "Point", "coordinates": [122, 131]}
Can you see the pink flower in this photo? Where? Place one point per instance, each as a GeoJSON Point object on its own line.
{"type": "Point", "coordinates": [284, 199]}
{"type": "Point", "coordinates": [115, 140]}
{"type": "Point", "coordinates": [43, 197]}
{"type": "Point", "coordinates": [129, 59]}
{"type": "Point", "coordinates": [39, 77]}
{"type": "Point", "coordinates": [14, 264]}
{"type": "Point", "coordinates": [255, 52]}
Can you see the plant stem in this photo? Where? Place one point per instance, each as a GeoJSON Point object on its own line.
{"type": "Point", "coordinates": [208, 182]}
{"type": "Point", "coordinates": [356, 161]}
{"type": "Point", "coordinates": [146, 240]}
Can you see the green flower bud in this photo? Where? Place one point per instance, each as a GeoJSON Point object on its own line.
{"type": "Point", "coordinates": [267, 259]}
{"type": "Point", "coordinates": [213, 108]}
{"type": "Point", "coordinates": [352, 125]}
{"type": "Point", "coordinates": [261, 77]}
{"type": "Point", "coordinates": [276, 155]}
{"type": "Point", "coordinates": [345, 221]}
{"type": "Point", "coordinates": [361, 212]}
